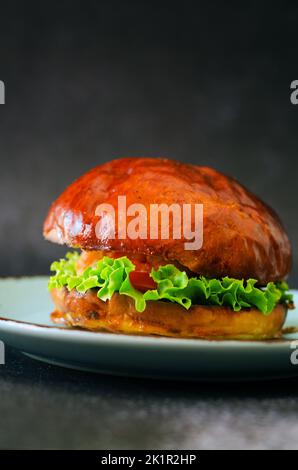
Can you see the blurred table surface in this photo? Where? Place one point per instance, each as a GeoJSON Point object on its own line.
{"type": "Point", "coordinates": [44, 406]}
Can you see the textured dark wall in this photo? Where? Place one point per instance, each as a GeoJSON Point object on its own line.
{"type": "Point", "coordinates": [90, 81]}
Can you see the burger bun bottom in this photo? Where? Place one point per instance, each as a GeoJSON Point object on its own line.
{"type": "Point", "coordinates": [118, 315]}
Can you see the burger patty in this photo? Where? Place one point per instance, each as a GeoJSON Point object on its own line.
{"type": "Point", "coordinates": [119, 315]}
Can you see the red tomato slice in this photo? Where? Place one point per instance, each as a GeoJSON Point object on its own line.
{"type": "Point", "coordinates": [142, 281]}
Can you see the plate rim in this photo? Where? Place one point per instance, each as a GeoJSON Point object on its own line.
{"type": "Point", "coordinates": [33, 329]}
{"type": "Point", "coordinates": [24, 327]}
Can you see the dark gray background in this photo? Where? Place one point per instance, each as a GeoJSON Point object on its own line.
{"type": "Point", "coordinates": [206, 82]}
{"type": "Point", "coordinates": [90, 81]}
{"type": "Point", "coordinates": [46, 407]}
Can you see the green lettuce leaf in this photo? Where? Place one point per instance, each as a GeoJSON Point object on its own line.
{"type": "Point", "coordinates": [112, 275]}
{"type": "Point", "coordinates": [107, 275]}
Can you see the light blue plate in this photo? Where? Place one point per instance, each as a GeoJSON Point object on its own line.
{"type": "Point", "coordinates": [25, 308]}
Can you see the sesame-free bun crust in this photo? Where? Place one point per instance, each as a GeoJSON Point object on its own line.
{"type": "Point", "coordinates": [118, 315]}
{"type": "Point", "coordinates": [242, 237]}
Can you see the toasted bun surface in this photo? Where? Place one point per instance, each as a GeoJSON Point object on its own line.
{"type": "Point", "coordinates": [161, 318]}
{"type": "Point", "coordinates": [243, 237]}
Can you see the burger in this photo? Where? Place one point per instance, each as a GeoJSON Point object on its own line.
{"type": "Point", "coordinates": [229, 285]}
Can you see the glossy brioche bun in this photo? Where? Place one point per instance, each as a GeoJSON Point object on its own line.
{"type": "Point", "coordinates": [163, 318]}
{"type": "Point", "coordinates": [243, 237]}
